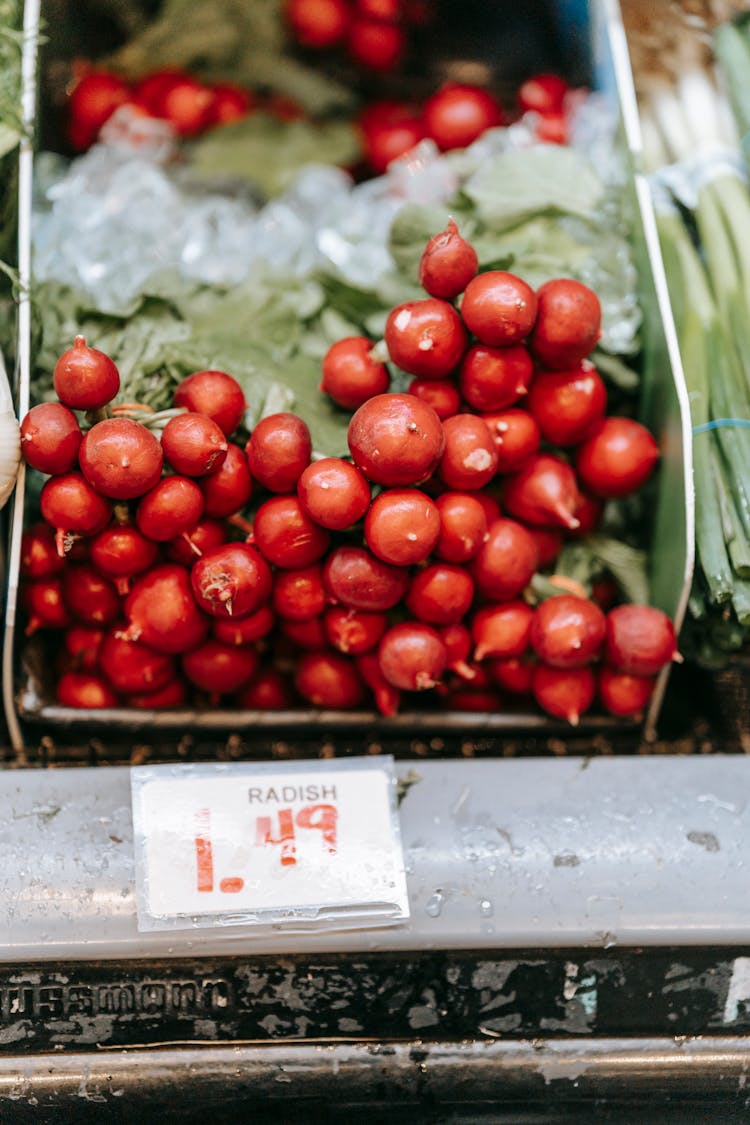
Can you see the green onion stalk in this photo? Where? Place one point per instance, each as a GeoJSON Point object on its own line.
{"type": "Point", "coordinates": [699, 184]}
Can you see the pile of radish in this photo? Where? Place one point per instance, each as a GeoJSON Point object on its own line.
{"type": "Point", "coordinates": [184, 561]}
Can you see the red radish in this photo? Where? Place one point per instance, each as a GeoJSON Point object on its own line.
{"type": "Point", "coordinates": [376, 45]}
{"type": "Point", "coordinates": [329, 680]}
{"type": "Point", "coordinates": [567, 632]}
{"type": "Point", "coordinates": [387, 697]}
{"type": "Point", "coordinates": [396, 440]}
{"type": "Point", "coordinates": [353, 631]}
{"type": "Point", "coordinates": [244, 630]}
{"type": "Point", "coordinates": [39, 557]}
{"type": "Point", "coordinates": [552, 129]}
{"type": "Point", "coordinates": [549, 543]}
{"type": "Point", "coordinates": [299, 595]}
{"type": "Point", "coordinates": [516, 436]}
{"type": "Point", "coordinates": [172, 694]}
{"type": "Point", "coordinates": [499, 308]}
{"type": "Point", "coordinates": [440, 594]}
{"type": "Point", "coordinates": [278, 451]}
{"type": "Point", "coordinates": [228, 489]}
{"type": "Point", "coordinates": [193, 444]}
{"type": "Point", "coordinates": [187, 104]}
{"type": "Point", "coordinates": [589, 514]}
{"type": "Point", "coordinates": [389, 10]}
{"type": "Point", "coordinates": [150, 89]}
{"type": "Point", "coordinates": [544, 493]}
{"type": "Point", "coordinates": [333, 493]}
{"type": "Point", "coordinates": [93, 100]}
{"type": "Point", "coordinates": [492, 378]}
{"type": "Point", "coordinates": [506, 561]}
{"type": "Point", "coordinates": [501, 630]}
{"type": "Point", "coordinates": [83, 643]}
{"type": "Point", "coordinates": [567, 405]}
{"type": "Point", "coordinates": [513, 673]}
{"type": "Point", "coordinates": [50, 437]}
{"type": "Point", "coordinates": [412, 656]}
{"type": "Point", "coordinates": [458, 645]}
{"type": "Point", "coordinates": [85, 378]}
{"type": "Point", "coordinates": [232, 580]}
{"type": "Point", "coordinates": [617, 458]}
{"type": "Point", "coordinates": [131, 667]}
{"type": "Point", "coordinates": [441, 394]}
{"type": "Point", "coordinates": [162, 612]}
{"type": "Point", "coordinates": [622, 693]}
{"type": "Point", "coordinates": [45, 606]}
{"type": "Point", "coordinates": [171, 508]}
{"type": "Point", "coordinates": [85, 691]}
{"type": "Point", "coordinates": [286, 536]}
{"type": "Point", "coordinates": [206, 534]}
{"type": "Point", "coordinates": [542, 93]}
{"type": "Point", "coordinates": [469, 460]}
{"type": "Point", "coordinates": [565, 693]}
{"type": "Point", "coordinates": [230, 103]}
{"type": "Point", "coordinates": [425, 338]}
{"type": "Point", "coordinates": [308, 635]}
{"type": "Point", "coordinates": [214, 393]}
{"type": "Point", "coordinates": [219, 669]}
{"type": "Point", "coordinates": [351, 374]}
{"type": "Point", "coordinates": [458, 114]}
{"type": "Point", "coordinates": [317, 23]}
{"type": "Point", "coordinates": [121, 459]}
{"type": "Point", "coordinates": [70, 505]}
{"type": "Point", "coordinates": [568, 323]}
{"type": "Point", "coordinates": [463, 526]}
{"type": "Point", "coordinates": [388, 130]}
{"type": "Point", "coordinates": [91, 598]}
{"type": "Point", "coordinates": [473, 700]}
{"type": "Point", "coordinates": [269, 690]}
{"type": "Point", "coordinates": [489, 503]}
{"type": "Point", "coordinates": [640, 639]}
{"type": "Point", "coordinates": [402, 526]}
{"type": "Point", "coordinates": [356, 578]}
{"type": "Point", "coordinates": [448, 264]}
{"type": "Point", "coordinates": [119, 552]}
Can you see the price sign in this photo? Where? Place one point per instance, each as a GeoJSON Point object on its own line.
{"type": "Point", "coordinates": [268, 843]}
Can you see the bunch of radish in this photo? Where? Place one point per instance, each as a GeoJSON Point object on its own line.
{"type": "Point", "coordinates": [205, 565]}
{"type": "Point", "coordinates": [372, 34]}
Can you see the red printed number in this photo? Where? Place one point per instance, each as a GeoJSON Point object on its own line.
{"type": "Point", "coordinates": [320, 818]}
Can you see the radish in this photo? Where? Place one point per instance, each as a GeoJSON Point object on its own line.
{"type": "Point", "coordinates": [567, 632]}
{"type": "Point", "coordinates": [412, 656]}
{"type": "Point", "coordinates": [492, 379]}
{"type": "Point", "coordinates": [269, 690]}
{"type": "Point", "coordinates": [354, 631]}
{"type": "Point", "coordinates": [39, 557]}
{"type": "Point", "coordinates": [512, 673]}
{"type": "Point", "coordinates": [463, 527]}
{"type": "Point", "coordinates": [356, 578]}
{"type": "Point", "coordinates": [425, 338]}
{"type": "Point", "coordinates": [617, 458]}
{"type": "Point", "coordinates": [622, 693]}
{"type": "Point", "coordinates": [286, 536]}
{"type": "Point", "coordinates": [352, 374]}
{"type": "Point", "coordinates": [172, 694]}
{"type": "Point", "coordinates": [441, 394]}
{"type": "Point", "coordinates": [193, 444]}
{"type": "Point", "coordinates": [171, 508]}
{"type": "Point", "coordinates": [640, 639]}
{"type": "Point", "coordinates": [469, 460]}
{"type": "Point", "coordinates": [506, 561]}
{"type": "Point", "coordinates": [300, 594]}
{"type": "Point", "coordinates": [219, 669]}
{"type": "Point", "coordinates": [329, 680]}
{"type": "Point", "coordinates": [50, 438]}
{"type": "Point", "coordinates": [85, 378]}
{"type": "Point", "coordinates": [121, 459]}
{"type": "Point", "coordinates": [309, 635]}
{"type": "Point", "coordinates": [516, 436]}
{"type": "Point", "coordinates": [244, 630]}
{"type": "Point", "coordinates": [440, 594]}
{"type": "Point", "coordinates": [85, 691]}
{"type": "Point", "coordinates": [501, 630]}
{"type": "Point", "coordinates": [131, 667]}
{"type": "Point", "coordinates": [45, 606]}
{"type": "Point", "coordinates": [278, 451]}
{"type": "Point", "coordinates": [217, 395]}
{"type": "Point", "coordinates": [387, 697]}
{"type": "Point", "coordinates": [162, 612]}
{"type": "Point", "coordinates": [569, 404]}
{"type": "Point", "coordinates": [333, 493]}
{"type": "Point", "coordinates": [396, 440]}
{"type": "Point", "coordinates": [568, 323]}
{"type": "Point", "coordinates": [70, 505]}
{"type": "Point", "coordinates": [565, 693]}
{"type": "Point", "coordinates": [457, 641]}
{"type": "Point", "coordinates": [189, 546]}
{"type": "Point", "coordinates": [544, 493]}
{"type": "Point", "coordinates": [499, 308]}
{"type": "Point", "coordinates": [83, 643]}
{"type": "Point", "coordinates": [90, 597]}
{"type": "Point", "coordinates": [232, 580]}
{"type": "Point", "coordinates": [120, 552]}
{"type": "Point", "coordinates": [227, 489]}
{"type": "Point", "coordinates": [402, 526]}
{"type": "Point", "coordinates": [448, 264]}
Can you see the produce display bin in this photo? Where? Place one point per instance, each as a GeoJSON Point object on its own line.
{"type": "Point", "coordinates": [664, 409]}
{"type": "Point", "coordinates": [577, 946]}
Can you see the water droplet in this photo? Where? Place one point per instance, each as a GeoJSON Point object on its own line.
{"type": "Point", "coordinates": [434, 904]}
{"type": "Point", "coordinates": [486, 909]}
